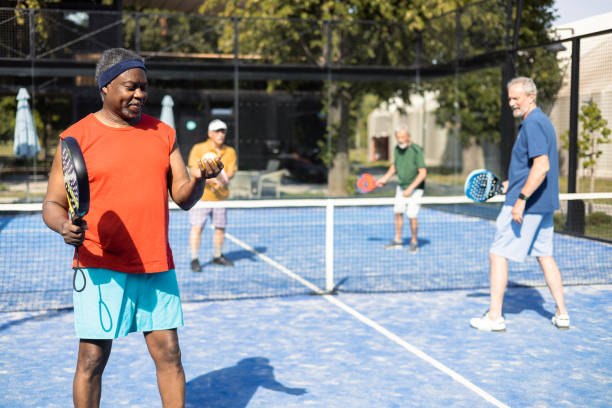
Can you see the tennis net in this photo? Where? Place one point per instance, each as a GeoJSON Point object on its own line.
{"type": "Point", "coordinates": [293, 247]}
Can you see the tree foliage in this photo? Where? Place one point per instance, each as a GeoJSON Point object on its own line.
{"type": "Point", "coordinates": [176, 32]}
{"type": "Point", "coordinates": [8, 108]}
{"type": "Point", "coordinates": [474, 99]}
{"type": "Point", "coordinates": [331, 33]}
{"type": "Point", "coordinates": [595, 132]}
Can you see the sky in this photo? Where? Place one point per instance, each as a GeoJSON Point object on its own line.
{"type": "Point", "coordinates": [572, 10]}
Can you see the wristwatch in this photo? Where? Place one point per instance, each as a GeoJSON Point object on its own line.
{"type": "Point", "coordinates": [523, 197]}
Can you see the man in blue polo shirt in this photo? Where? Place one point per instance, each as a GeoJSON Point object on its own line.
{"type": "Point", "coordinates": [525, 223]}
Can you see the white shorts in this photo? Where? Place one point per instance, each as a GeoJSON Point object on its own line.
{"type": "Point", "coordinates": [407, 205]}
{"type": "Point", "coordinates": [533, 237]}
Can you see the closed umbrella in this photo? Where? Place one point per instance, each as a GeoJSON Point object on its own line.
{"type": "Point", "coordinates": [26, 138]}
{"type": "Point", "coordinates": [167, 115]}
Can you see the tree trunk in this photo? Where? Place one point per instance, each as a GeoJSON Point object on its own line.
{"type": "Point", "coordinates": [591, 189]}
{"type": "Point", "coordinates": [472, 157]}
{"type": "Point", "coordinates": [340, 166]}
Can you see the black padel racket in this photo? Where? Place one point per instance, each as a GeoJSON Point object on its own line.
{"type": "Point", "coordinates": [481, 184]}
{"type": "Point", "coordinates": [76, 182]}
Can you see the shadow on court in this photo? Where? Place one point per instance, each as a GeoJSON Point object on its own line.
{"type": "Point", "coordinates": [30, 316]}
{"type": "Point", "coordinates": [519, 298]}
{"type": "Point", "coordinates": [4, 221]}
{"type": "Point", "coordinates": [405, 241]}
{"type": "Point", "coordinates": [234, 386]}
{"type": "Point", "coordinates": [240, 255]}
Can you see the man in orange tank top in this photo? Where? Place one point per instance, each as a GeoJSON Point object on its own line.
{"type": "Point", "coordinates": [129, 284]}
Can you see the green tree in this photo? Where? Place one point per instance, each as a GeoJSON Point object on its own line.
{"type": "Point", "coordinates": [322, 32]}
{"type": "Point", "coordinates": [594, 134]}
{"type": "Point", "coordinates": [51, 115]}
{"type": "Point", "coordinates": [162, 32]}
{"type": "Point", "coordinates": [471, 101]}
{"type": "Point", "coordinates": [51, 111]}
{"type": "Point", "coordinates": [8, 108]}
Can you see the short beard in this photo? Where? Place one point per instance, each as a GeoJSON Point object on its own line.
{"type": "Point", "coordinates": [517, 113]}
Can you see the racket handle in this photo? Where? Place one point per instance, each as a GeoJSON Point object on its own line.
{"type": "Point", "coordinates": [78, 221]}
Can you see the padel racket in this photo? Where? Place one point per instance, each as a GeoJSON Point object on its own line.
{"type": "Point", "coordinates": [366, 183]}
{"type": "Point", "coordinates": [76, 183]}
{"type": "Point", "coordinates": [481, 184]}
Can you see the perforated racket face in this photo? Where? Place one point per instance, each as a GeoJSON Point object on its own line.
{"type": "Point", "coordinates": [366, 183]}
{"type": "Point", "coordinates": [481, 185]}
{"type": "Point", "coordinates": [75, 177]}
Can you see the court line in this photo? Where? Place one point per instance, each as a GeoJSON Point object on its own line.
{"type": "Point", "coordinates": [369, 322]}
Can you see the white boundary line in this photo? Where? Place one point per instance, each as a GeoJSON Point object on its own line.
{"type": "Point", "coordinates": [369, 322]}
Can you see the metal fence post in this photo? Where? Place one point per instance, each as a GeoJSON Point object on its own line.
{"type": "Point", "coordinates": [236, 91]}
{"type": "Point", "coordinates": [575, 208]}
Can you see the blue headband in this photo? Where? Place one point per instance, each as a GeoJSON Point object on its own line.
{"type": "Point", "coordinates": [119, 68]}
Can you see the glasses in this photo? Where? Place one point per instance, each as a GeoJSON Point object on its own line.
{"type": "Point", "coordinates": [224, 131]}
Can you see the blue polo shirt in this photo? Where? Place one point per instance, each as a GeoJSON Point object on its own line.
{"type": "Point", "coordinates": [536, 137]}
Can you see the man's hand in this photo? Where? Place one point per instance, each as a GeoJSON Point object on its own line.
{"type": "Point", "coordinates": [209, 168]}
{"type": "Point", "coordinates": [407, 192]}
{"type": "Point", "coordinates": [73, 233]}
{"type": "Point", "coordinates": [518, 210]}
{"type": "Point", "coordinates": [505, 186]}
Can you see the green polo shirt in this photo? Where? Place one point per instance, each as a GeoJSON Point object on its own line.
{"type": "Point", "coordinates": [408, 161]}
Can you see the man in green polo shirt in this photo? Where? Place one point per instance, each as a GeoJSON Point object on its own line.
{"type": "Point", "coordinates": [409, 164]}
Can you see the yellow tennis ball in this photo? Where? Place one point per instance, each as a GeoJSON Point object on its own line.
{"type": "Point", "coordinates": [210, 156]}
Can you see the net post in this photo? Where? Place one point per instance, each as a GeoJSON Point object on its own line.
{"type": "Point", "coordinates": [329, 246]}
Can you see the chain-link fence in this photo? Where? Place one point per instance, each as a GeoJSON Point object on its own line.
{"type": "Point", "coordinates": [278, 83]}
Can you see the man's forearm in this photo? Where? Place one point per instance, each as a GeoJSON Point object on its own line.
{"type": "Point", "coordinates": [537, 175]}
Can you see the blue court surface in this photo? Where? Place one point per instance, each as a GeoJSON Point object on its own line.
{"type": "Point", "coordinates": [404, 342]}
{"type": "Point", "coordinates": [411, 349]}
{"type": "Point", "coordinates": [267, 245]}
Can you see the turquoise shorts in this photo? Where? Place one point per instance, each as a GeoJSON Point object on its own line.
{"type": "Point", "coordinates": [533, 237]}
{"type": "Point", "coordinates": [114, 304]}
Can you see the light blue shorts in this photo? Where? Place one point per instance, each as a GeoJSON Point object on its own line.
{"type": "Point", "coordinates": [114, 304]}
{"type": "Point", "coordinates": [533, 237]}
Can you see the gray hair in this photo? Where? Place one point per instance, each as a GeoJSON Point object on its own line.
{"type": "Point", "coordinates": [112, 56]}
{"type": "Point", "coordinates": [527, 83]}
{"type": "Point", "coordinates": [402, 128]}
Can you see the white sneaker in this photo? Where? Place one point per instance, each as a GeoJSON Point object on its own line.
{"type": "Point", "coordinates": [486, 324]}
{"type": "Point", "coordinates": [561, 321]}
